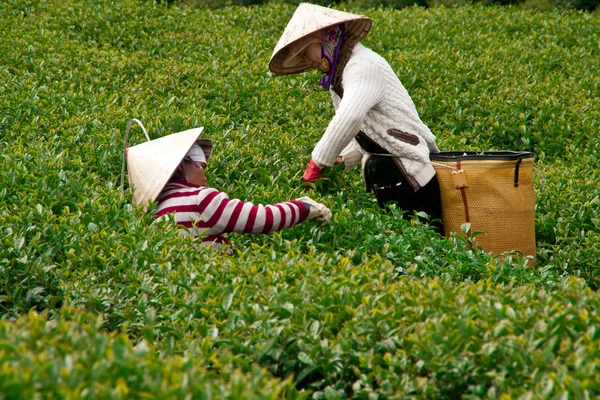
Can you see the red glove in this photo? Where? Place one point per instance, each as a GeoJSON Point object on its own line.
{"type": "Point", "coordinates": [312, 173]}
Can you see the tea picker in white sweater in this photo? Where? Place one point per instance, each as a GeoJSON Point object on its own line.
{"type": "Point", "coordinates": [375, 119]}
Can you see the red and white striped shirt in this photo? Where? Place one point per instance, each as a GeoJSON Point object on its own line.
{"type": "Point", "coordinates": [209, 214]}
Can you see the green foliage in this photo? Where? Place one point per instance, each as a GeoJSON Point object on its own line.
{"type": "Point", "coordinates": [395, 4]}
{"type": "Point", "coordinates": [585, 5]}
{"type": "Point", "coordinates": [542, 5]}
{"type": "Point", "coordinates": [72, 357]}
{"type": "Point", "coordinates": [369, 306]}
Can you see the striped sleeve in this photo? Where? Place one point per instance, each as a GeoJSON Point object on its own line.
{"type": "Point", "coordinates": [225, 215]}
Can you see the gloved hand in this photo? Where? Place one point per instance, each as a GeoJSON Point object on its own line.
{"type": "Point", "coordinates": [313, 172]}
{"type": "Point", "coordinates": [317, 211]}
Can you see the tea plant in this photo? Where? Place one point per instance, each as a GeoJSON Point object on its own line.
{"type": "Point", "coordinates": [98, 300]}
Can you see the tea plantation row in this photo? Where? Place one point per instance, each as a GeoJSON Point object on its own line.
{"type": "Point", "coordinates": [97, 300]}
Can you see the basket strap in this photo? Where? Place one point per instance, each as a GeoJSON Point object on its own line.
{"type": "Point", "coordinates": [517, 172]}
{"type": "Point", "coordinates": [463, 194]}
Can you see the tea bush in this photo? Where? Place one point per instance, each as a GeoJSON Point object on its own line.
{"type": "Point", "coordinates": [543, 5]}
{"type": "Point", "coordinates": [369, 306]}
{"type": "Point", "coordinates": [71, 356]}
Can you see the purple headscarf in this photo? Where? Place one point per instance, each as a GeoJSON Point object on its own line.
{"type": "Point", "coordinates": [330, 51]}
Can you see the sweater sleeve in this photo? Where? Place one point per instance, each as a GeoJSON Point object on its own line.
{"type": "Point", "coordinates": [351, 154]}
{"type": "Point", "coordinates": [363, 89]}
{"type": "Point", "coordinates": [224, 215]}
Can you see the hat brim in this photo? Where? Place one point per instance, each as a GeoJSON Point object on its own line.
{"type": "Point", "coordinates": [306, 21]}
{"type": "Point", "coordinates": [281, 61]}
{"type": "Point", "coordinates": [151, 164]}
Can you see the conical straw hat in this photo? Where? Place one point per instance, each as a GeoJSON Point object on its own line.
{"type": "Point", "coordinates": [151, 164]}
{"type": "Point", "coordinates": [309, 19]}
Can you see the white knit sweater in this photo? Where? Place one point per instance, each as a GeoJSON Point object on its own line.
{"type": "Point", "coordinates": [374, 101]}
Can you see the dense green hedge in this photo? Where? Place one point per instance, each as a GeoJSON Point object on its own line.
{"type": "Point", "coordinates": [585, 5]}
{"type": "Point", "coordinates": [368, 306]}
{"type": "Point", "coordinates": [359, 333]}
{"type": "Point", "coordinates": [72, 357]}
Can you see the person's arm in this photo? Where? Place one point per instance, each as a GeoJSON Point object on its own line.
{"type": "Point", "coordinates": [351, 155]}
{"type": "Point", "coordinates": [363, 89]}
{"type": "Point", "coordinates": [335, 99]}
{"type": "Point", "coordinates": [224, 215]}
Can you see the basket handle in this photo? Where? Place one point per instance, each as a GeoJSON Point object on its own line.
{"type": "Point", "coordinates": [137, 121]}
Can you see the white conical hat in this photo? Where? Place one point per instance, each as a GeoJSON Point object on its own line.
{"type": "Point", "coordinates": [309, 19]}
{"type": "Point", "coordinates": [151, 164]}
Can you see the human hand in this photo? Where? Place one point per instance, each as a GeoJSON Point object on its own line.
{"type": "Point", "coordinates": [339, 165]}
{"type": "Point", "coordinates": [316, 211]}
{"type": "Point", "coordinates": [312, 173]}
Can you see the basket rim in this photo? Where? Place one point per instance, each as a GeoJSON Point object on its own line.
{"type": "Point", "coordinates": [502, 155]}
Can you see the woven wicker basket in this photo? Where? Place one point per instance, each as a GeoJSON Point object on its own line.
{"type": "Point", "coordinates": [493, 191]}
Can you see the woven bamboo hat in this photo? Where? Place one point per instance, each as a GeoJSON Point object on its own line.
{"type": "Point", "coordinates": [309, 19]}
{"type": "Point", "coordinates": [150, 165]}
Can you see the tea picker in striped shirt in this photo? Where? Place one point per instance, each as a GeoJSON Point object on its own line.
{"type": "Point", "coordinates": [171, 170]}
